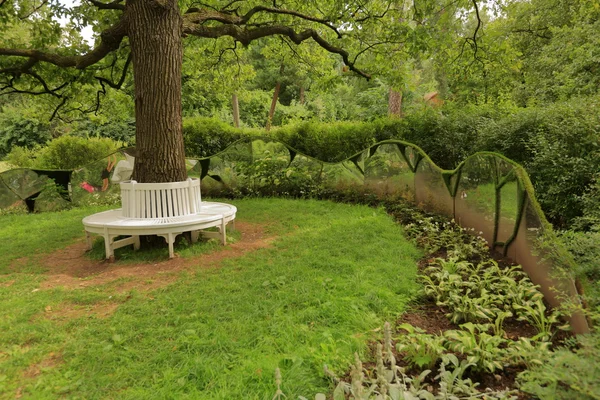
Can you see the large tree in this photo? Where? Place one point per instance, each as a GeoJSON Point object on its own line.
{"type": "Point", "coordinates": [45, 58]}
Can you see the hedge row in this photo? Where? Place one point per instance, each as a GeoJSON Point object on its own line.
{"type": "Point", "coordinates": [558, 145]}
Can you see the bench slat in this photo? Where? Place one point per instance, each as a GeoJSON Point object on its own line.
{"type": "Point", "coordinates": [163, 199]}
{"type": "Point", "coordinates": [160, 200]}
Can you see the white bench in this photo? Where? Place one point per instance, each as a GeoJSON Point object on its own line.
{"type": "Point", "coordinates": [163, 209]}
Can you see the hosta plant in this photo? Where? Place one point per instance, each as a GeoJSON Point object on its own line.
{"type": "Point", "coordinates": [482, 350]}
{"type": "Point", "coordinates": [420, 349]}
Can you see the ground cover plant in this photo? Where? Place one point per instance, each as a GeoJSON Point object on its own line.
{"type": "Point", "coordinates": [308, 290]}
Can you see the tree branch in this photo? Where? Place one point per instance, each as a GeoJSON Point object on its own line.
{"type": "Point", "coordinates": [114, 5]}
{"type": "Point", "coordinates": [199, 16]}
{"type": "Point", "coordinates": [369, 16]}
{"type": "Point", "coordinates": [110, 41]}
{"type": "Point", "coordinates": [25, 69]}
{"type": "Point", "coordinates": [121, 80]}
{"type": "Point", "coordinates": [35, 9]}
{"type": "Point", "coordinates": [272, 10]}
{"type": "Point", "coordinates": [245, 36]}
{"type": "Point", "coordinates": [474, 40]}
{"type": "Point", "coordinates": [55, 113]}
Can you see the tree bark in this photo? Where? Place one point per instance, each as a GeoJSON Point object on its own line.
{"type": "Point", "coordinates": [155, 29]}
{"type": "Point", "coordinates": [275, 97]}
{"type": "Point", "coordinates": [395, 104]}
{"type": "Point", "coordinates": [236, 110]}
{"type": "Point", "coordinates": [302, 95]}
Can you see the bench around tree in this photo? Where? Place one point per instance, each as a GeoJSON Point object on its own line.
{"type": "Point", "coordinates": [163, 209]}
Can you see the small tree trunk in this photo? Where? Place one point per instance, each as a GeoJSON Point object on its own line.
{"type": "Point", "coordinates": [155, 39]}
{"type": "Point", "coordinates": [236, 110]}
{"type": "Point", "coordinates": [274, 101]}
{"type": "Point", "coordinates": [395, 104]}
{"type": "Point", "coordinates": [302, 95]}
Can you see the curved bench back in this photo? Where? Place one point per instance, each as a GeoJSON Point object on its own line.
{"type": "Point", "coordinates": [160, 200]}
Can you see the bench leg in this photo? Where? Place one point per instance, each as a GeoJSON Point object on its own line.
{"type": "Point", "coordinates": [88, 240]}
{"type": "Point", "coordinates": [170, 238]}
{"type": "Point", "coordinates": [110, 252]}
{"type": "Point", "coordinates": [223, 230]}
{"type": "Point", "coordinates": [136, 242]}
{"type": "Point", "coordinates": [194, 235]}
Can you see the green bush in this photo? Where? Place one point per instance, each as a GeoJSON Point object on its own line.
{"type": "Point", "coordinates": [328, 142]}
{"type": "Point", "coordinates": [567, 374]}
{"type": "Point", "coordinates": [69, 152]}
{"type": "Point", "coordinates": [585, 247]}
{"type": "Point", "coordinates": [21, 130]}
{"type": "Point", "coordinates": [22, 157]}
{"type": "Point", "coordinates": [591, 209]}
{"type": "Point", "coordinates": [558, 145]}
{"type": "Point", "coordinates": [120, 131]}
{"type": "Point", "coordinates": [65, 152]}
{"type": "Point", "coordinates": [207, 136]}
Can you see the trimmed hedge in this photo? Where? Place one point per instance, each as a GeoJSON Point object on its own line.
{"type": "Point", "coordinates": [558, 145]}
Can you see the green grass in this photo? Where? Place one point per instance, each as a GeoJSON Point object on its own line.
{"type": "Point", "coordinates": [23, 235]}
{"type": "Point", "coordinates": [319, 293]}
{"type": "Point", "coordinates": [5, 166]}
{"type": "Point", "coordinates": [484, 198]}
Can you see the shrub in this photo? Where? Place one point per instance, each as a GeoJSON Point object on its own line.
{"type": "Point", "coordinates": [66, 152]}
{"type": "Point", "coordinates": [207, 136]}
{"type": "Point", "coordinates": [567, 374]}
{"type": "Point", "coordinates": [120, 131]}
{"type": "Point", "coordinates": [591, 209]}
{"type": "Point", "coordinates": [328, 142]}
{"type": "Point", "coordinates": [559, 147]}
{"type": "Point", "coordinates": [585, 247]}
{"type": "Point", "coordinates": [21, 130]}
{"type": "Point", "coordinates": [22, 157]}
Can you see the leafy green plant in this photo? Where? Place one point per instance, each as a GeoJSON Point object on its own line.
{"type": "Point", "coordinates": [386, 381]}
{"type": "Point", "coordinates": [527, 352]}
{"type": "Point", "coordinates": [420, 349]}
{"type": "Point", "coordinates": [471, 305]}
{"type": "Point", "coordinates": [18, 129]}
{"type": "Point", "coordinates": [585, 248]}
{"type": "Point", "coordinates": [499, 321]}
{"type": "Point", "coordinates": [481, 349]}
{"type": "Point", "coordinates": [271, 175]}
{"type": "Point", "coordinates": [566, 374]}
{"type": "Point", "coordinates": [536, 314]}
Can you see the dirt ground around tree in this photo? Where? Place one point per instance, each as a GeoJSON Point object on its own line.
{"type": "Point", "coordinates": [69, 268]}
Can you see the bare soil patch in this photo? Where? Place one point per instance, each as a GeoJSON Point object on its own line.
{"type": "Point", "coordinates": [70, 269]}
{"type": "Point", "coordinates": [429, 317]}
{"type": "Point", "coordinates": [51, 361]}
{"type": "Point", "coordinates": [68, 311]}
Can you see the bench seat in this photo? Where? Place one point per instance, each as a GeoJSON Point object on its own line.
{"type": "Point", "coordinates": [111, 224]}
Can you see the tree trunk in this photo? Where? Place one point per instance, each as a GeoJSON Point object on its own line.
{"type": "Point", "coordinates": [302, 95]}
{"type": "Point", "coordinates": [275, 97]}
{"type": "Point", "coordinates": [157, 53]}
{"type": "Point", "coordinates": [236, 110]}
{"type": "Point", "coordinates": [395, 104]}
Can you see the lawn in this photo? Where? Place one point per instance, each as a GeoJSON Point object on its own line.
{"type": "Point", "coordinates": [4, 166]}
{"type": "Point", "coordinates": [319, 290]}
